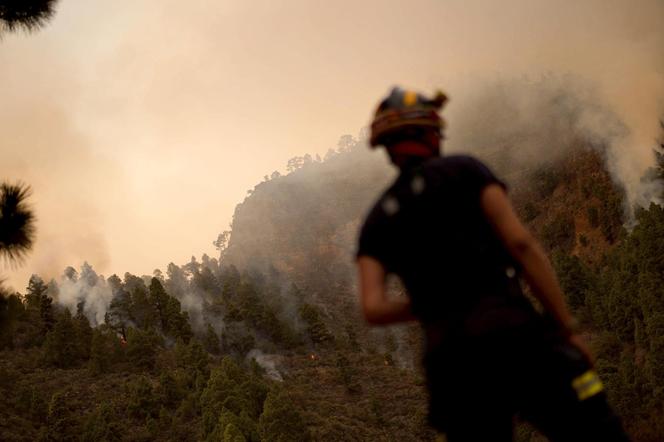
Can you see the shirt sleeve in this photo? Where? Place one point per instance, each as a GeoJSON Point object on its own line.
{"type": "Point", "coordinates": [480, 176]}
{"type": "Point", "coordinates": [372, 242]}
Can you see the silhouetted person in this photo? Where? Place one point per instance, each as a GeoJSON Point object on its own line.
{"type": "Point", "coordinates": [447, 228]}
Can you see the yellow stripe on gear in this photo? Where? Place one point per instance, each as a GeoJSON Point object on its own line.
{"type": "Point", "coordinates": [587, 385]}
{"type": "Point", "coordinates": [409, 98]}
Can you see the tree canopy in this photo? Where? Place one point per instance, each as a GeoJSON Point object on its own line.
{"type": "Point", "coordinates": [28, 15]}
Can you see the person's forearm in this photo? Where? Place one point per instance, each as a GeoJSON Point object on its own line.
{"type": "Point", "coordinates": [526, 251]}
{"type": "Point", "coordinates": [542, 279]}
{"type": "Point", "coordinates": [388, 311]}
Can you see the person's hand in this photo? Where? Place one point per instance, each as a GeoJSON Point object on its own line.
{"type": "Point", "coordinates": [579, 342]}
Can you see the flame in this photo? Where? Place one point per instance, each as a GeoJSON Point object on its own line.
{"type": "Point", "coordinates": [313, 357]}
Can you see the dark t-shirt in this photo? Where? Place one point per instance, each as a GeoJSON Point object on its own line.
{"type": "Point", "coordinates": [429, 229]}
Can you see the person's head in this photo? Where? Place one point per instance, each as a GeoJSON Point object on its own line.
{"type": "Point", "coordinates": [407, 124]}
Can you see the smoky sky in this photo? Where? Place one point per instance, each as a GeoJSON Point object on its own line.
{"type": "Point", "coordinates": [140, 125]}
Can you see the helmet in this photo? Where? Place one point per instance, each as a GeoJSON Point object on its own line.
{"type": "Point", "coordinates": [404, 109]}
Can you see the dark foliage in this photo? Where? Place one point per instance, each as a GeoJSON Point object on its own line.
{"type": "Point", "coordinates": [29, 15]}
{"type": "Point", "coordinates": [545, 180]}
{"type": "Point", "coordinates": [559, 234]}
{"type": "Point", "coordinates": [17, 228]}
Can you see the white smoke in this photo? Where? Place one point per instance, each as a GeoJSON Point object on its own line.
{"type": "Point", "coordinates": [199, 316]}
{"type": "Point", "coordinates": [268, 363]}
{"type": "Point", "coordinates": [90, 289]}
{"type": "Point", "coordinates": [517, 124]}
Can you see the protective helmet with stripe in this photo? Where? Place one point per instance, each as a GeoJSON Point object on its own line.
{"type": "Point", "coordinates": [402, 110]}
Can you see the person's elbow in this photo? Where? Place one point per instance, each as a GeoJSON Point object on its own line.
{"type": "Point", "coordinates": [371, 318]}
{"type": "Point", "coordinates": [372, 289]}
{"type": "Point", "coordinates": [371, 310]}
{"type": "Point", "coordinates": [522, 245]}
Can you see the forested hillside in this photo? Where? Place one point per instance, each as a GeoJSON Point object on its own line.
{"type": "Point", "coordinates": [265, 342]}
{"type": "Point", "coordinates": [612, 276]}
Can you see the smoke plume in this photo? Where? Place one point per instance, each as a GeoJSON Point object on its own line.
{"type": "Point", "coordinates": [522, 124]}
{"type": "Point", "coordinates": [87, 288]}
{"type": "Point", "coordinates": [139, 127]}
{"type": "Point", "coordinates": [267, 362]}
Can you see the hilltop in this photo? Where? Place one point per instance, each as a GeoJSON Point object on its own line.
{"type": "Point", "coordinates": [265, 341]}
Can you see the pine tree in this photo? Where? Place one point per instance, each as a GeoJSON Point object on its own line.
{"type": "Point", "coordinates": [207, 282]}
{"type": "Point", "coordinates": [172, 320]}
{"type": "Point", "coordinates": [574, 278]}
{"type": "Point", "coordinates": [89, 275]}
{"type": "Point", "coordinates": [36, 288]}
{"type": "Point", "coordinates": [39, 307]}
{"type": "Point", "coordinates": [142, 312]}
{"type": "Point", "coordinates": [12, 311]}
{"type": "Point", "coordinates": [225, 381]}
{"type": "Point", "coordinates": [59, 422]}
{"type": "Point", "coordinates": [28, 15]}
{"type": "Point", "coordinates": [82, 333]}
{"type": "Point", "coordinates": [142, 402]}
{"type": "Point", "coordinates": [230, 278]}
{"type": "Point", "coordinates": [159, 299]}
{"type": "Point", "coordinates": [142, 348]}
{"type": "Point", "coordinates": [5, 333]}
{"type": "Point", "coordinates": [211, 341]}
{"type": "Point", "coordinates": [60, 347]}
{"type": "Point", "coordinates": [101, 425]}
{"type": "Point", "coordinates": [316, 328]}
{"type": "Point", "coordinates": [192, 267]}
{"type": "Point", "coordinates": [233, 434]}
{"type": "Point", "coordinates": [132, 282]}
{"type": "Point", "coordinates": [280, 421]}
{"type": "Point", "coordinates": [177, 280]}
{"type": "Point", "coordinates": [192, 357]}
{"type": "Point", "coordinates": [177, 320]}
{"type": "Point", "coordinates": [100, 356]}
{"type": "Point", "coordinates": [119, 314]}
{"type": "Point", "coordinates": [168, 392]}
{"type": "Point", "coordinates": [17, 222]}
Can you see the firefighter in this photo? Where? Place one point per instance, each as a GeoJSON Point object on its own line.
{"type": "Point", "coordinates": [447, 228]}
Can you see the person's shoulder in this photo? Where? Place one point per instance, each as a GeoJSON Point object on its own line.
{"type": "Point", "coordinates": [465, 170]}
{"type": "Point", "coordinates": [455, 162]}
{"type": "Point", "coordinates": [377, 211]}
{"type": "Point", "coordinates": [455, 166]}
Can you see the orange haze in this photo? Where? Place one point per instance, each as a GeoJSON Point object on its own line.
{"type": "Point", "coordinates": [140, 125]}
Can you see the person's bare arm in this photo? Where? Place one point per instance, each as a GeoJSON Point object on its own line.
{"type": "Point", "coordinates": [378, 309]}
{"type": "Point", "coordinates": [526, 251]}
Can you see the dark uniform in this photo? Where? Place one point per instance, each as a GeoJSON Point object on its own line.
{"type": "Point", "coordinates": [489, 355]}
